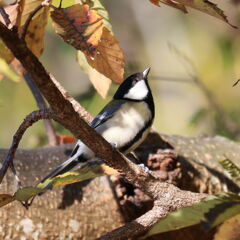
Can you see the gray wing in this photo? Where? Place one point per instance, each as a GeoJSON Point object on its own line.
{"type": "Point", "coordinates": [107, 112]}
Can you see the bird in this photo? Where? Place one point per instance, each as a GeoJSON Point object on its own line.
{"type": "Point", "coordinates": [124, 122]}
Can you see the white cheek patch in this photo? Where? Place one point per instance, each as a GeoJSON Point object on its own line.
{"type": "Point", "coordinates": [138, 92]}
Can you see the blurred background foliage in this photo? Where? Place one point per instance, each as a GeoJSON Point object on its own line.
{"type": "Point", "coordinates": [161, 38]}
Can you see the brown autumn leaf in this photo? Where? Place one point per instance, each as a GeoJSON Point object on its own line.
{"type": "Point", "coordinates": [99, 81]}
{"type": "Point", "coordinates": [171, 4]}
{"type": "Point", "coordinates": [202, 5]}
{"type": "Point", "coordinates": [79, 26]}
{"type": "Point", "coordinates": [109, 59]}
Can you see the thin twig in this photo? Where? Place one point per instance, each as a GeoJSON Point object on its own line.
{"type": "Point", "coordinates": [27, 122]}
{"type": "Point", "coordinates": [5, 17]}
{"type": "Point", "coordinates": [52, 138]}
{"type": "Point", "coordinates": [30, 17]}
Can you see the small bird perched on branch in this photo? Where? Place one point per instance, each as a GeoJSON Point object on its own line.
{"type": "Point", "coordinates": [124, 122]}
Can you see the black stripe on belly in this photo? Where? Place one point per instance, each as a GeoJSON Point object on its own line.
{"type": "Point", "coordinates": [136, 138]}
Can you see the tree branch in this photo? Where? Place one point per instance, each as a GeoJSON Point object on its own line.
{"type": "Point", "coordinates": [27, 122]}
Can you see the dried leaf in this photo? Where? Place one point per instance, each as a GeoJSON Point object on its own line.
{"type": "Point", "coordinates": [5, 199]}
{"type": "Point", "coordinates": [79, 26]}
{"type": "Point", "coordinates": [99, 81]}
{"type": "Point", "coordinates": [202, 5]}
{"type": "Point", "coordinates": [36, 31]}
{"type": "Point", "coordinates": [109, 59]}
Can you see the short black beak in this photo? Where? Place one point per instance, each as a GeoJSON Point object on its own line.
{"type": "Point", "coordinates": [145, 72]}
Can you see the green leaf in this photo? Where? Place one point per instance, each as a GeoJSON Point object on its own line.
{"type": "Point", "coordinates": [233, 170]}
{"type": "Point", "coordinates": [24, 194]}
{"type": "Point", "coordinates": [228, 208]}
{"type": "Point", "coordinates": [201, 212]}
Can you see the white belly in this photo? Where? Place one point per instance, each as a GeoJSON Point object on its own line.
{"type": "Point", "coordinates": [126, 123]}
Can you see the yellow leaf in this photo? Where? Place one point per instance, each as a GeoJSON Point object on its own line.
{"type": "Point", "coordinates": [35, 33]}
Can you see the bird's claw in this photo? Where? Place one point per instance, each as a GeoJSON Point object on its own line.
{"type": "Point", "coordinates": [144, 168]}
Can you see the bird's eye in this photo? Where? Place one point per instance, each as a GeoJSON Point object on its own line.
{"type": "Point", "coordinates": [134, 82]}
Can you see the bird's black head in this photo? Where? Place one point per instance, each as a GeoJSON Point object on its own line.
{"type": "Point", "coordinates": [135, 87]}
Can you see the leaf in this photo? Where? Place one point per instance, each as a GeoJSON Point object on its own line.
{"type": "Point", "coordinates": [79, 26]}
{"type": "Point", "coordinates": [202, 5]}
{"type": "Point", "coordinates": [101, 10]}
{"type": "Point", "coordinates": [109, 59]}
{"type": "Point", "coordinates": [228, 208]}
{"type": "Point", "coordinates": [5, 199]}
{"type": "Point", "coordinates": [24, 194]}
{"type": "Point", "coordinates": [99, 81]}
{"type": "Point", "coordinates": [36, 31]}
{"type": "Point", "coordinates": [233, 170]}
{"type": "Point", "coordinates": [188, 216]}
{"type": "Point", "coordinates": [90, 170]}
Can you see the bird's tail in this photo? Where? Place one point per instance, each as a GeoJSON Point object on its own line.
{"type": "Point", "coordinates": [66, 166]}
